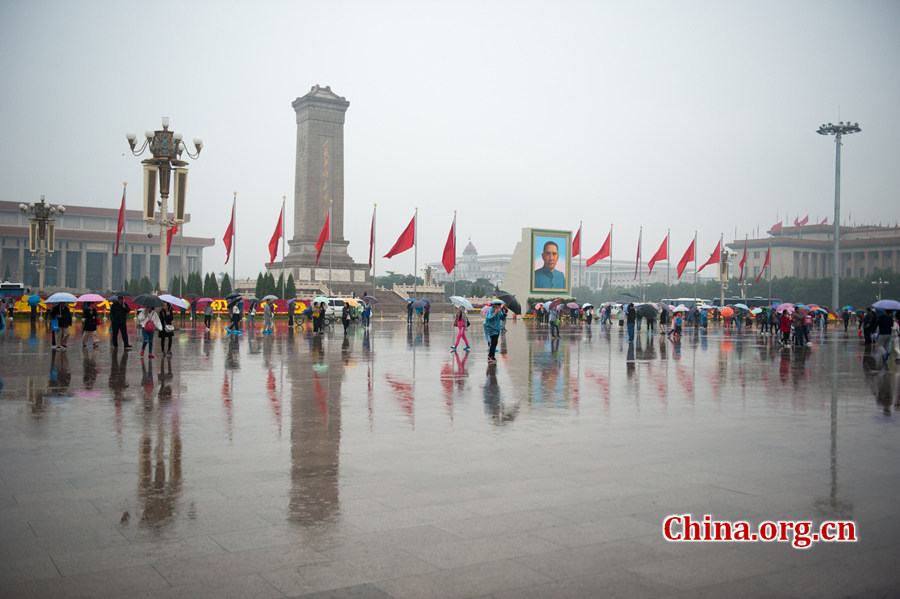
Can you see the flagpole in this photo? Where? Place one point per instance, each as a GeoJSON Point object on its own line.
{"type": "Point", "coordinates": [416, 253]}
{"type": "Point", "coordinates": [233, 243]}
{"type": "Point", "coordinates": [181, 260]}
{"type": "Point", "coordinates": [283, 278]}
{"type": "Point", "coordinates": [639, 269]}
{"type": "Point", "coordinates": [696, 275]}
{"type": "Point", "coordinates": [329, 245]}
{"type": "Point", "coordinates": [722, 272]}
{"type": "Point", "coordinates": [374, 253]}
{"type": "Point", "coordinates": [668, 265]}
{"type": "Point", "coordinates": [454, 252]}
{"type": "Point", "coordinates": [769, 266]}
{"type": "Point", "coordinates": [581, 258]}
{"type": "Point", "coordinates": [609, 284]}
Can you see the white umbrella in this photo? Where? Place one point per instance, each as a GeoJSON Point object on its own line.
{"type": "Point", "coordinates": [461, 302]}
{"type": "Point", "coordinates": [586, 305]}
{"type": "Point", "coordinates": [61, 298]}
{"type": "Point", "coordinates": [680, 308]}
{"type": "Point", "coordinates": [175, 301]}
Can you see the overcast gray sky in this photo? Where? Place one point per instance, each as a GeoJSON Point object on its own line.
{"type": "Point", "coordinates": [689, 115]}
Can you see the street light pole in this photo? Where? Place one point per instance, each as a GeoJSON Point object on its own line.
{"type": "Point", "coordinates": [880, 283]}
{"type": "Point", "coordinates": [41, 232]}
{"type": "Point", "coordinates": [838, 131]}
{"type": "Point", "coordinates": [166, 147]}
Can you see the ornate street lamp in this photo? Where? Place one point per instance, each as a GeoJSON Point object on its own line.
{"type": "Point", "coordinates": [41, 232]}
{"type": "Point", "coordinates": [838, 131]}
{"type": "Point", "coordinates": [166, 147]}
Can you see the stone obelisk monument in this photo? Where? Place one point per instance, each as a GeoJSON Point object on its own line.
{"type": "Point", "coordinates": [318, 185]}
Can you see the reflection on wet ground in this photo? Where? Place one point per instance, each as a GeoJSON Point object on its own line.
{"type": "Point", "coordinates": [381, 464]}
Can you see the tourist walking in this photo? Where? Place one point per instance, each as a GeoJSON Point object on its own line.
{"type": "Point", "coordinates": [63, 317]}
{"type": "Point", "coordinates": [461, 320]}
{"type": "Point", "coordinates": [89, 319]}
{"type": "Point", "coordinates": [269, 317]}
{"type": "Point", "coordinates": [366, 314]}
{"type": "Point", "coordinates": [409, 312]}
{"type": "Point", "coordinates": [785, 327]}
{"type": "Point", "coordinates": [118, 317]}
{"type": "Point", "coordinates": [885, 324]}
{"type": "Point", "coordinates": [236, 314]}
{"type": "Point", "coordinates": [207, 315]}
{"type": "Point", "coordinates": [554, 321]}
{"type": "Point", "coordinates": [345, 317]}
{"type": "Point", "coordinates": [167, 330]}
{"type": "Point", "coordinates": [629, 320]}
{"type": "Point", "coordinates": [493, 324]}
{"type": "Point", "coordinates": [148, 321]}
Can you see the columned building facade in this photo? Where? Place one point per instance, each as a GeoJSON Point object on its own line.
{"type": "Point", "coordinates": [83, 254]}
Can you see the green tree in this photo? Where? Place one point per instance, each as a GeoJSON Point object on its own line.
{"type": "Point", "coordinates": [145, 285]}
{"type": "Point", "coordinates": [278, 285]}
{"type": "Point", "coordinates": [194, 283]}
{"type": "Point", "coordinates": [225, 286]}
{"type": "Point", "coordinates": [211, 286]}
{"type": "Point", "coordinates": [290, 289]}
{"type": "Point", "coordinates": [260, 285]}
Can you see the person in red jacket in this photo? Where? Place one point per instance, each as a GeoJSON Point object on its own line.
{"type": "Point", "coordinates": [785, 327]}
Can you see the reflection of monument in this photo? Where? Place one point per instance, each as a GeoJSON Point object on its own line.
{"type": "Point", "coordinates": [318, 185]}
{"type": "Point", "coordinates": [315, 437]}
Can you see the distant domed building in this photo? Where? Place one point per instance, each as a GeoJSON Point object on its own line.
{"type": "Point", "coordinates": [471, 267]}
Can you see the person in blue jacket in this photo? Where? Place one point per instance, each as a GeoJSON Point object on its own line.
{"type": "Point", "coordinates": [493, 324]}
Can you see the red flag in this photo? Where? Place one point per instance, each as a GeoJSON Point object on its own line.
{"type": "Point", "coordinates": [229, 235]}
{"type": "Point", "coordinates": [775, 227]}
{"type": "Point", "coordinates": [121, 223]}
{"type": "Point", "coordinates": [273, 243]}
{"type": "Point", "coordinates": [449, 257]}
{"type": "Point", "coordinates": [169, 235]}
{"type": "Point", "coordinates": [743, 262]}
{"type": "Point", "coordinates": [576, 243]}
{"type": "Point", "coordinates": [688, 256]}
{"type": "Point", "coordinates": [765, 264]}
{"type": "Point", "coordinates": [372, 240]}
{"type": "Point", "coordinates": [661, 254]}
{"type": "Point", "coordinates": [603, 253]}
{"type": "Point", "coordinates": [323, 236]}
{"type": "Point", "coordinates": [824, 221]}
{"type": "Point", "coordinates": [800, 223]}
{"type": "Point", "coordinates": [407, 239]}
{"type": "Point", "coordinates": [715, 258]}
{"type": "Point", "coordinates": [637, 262]}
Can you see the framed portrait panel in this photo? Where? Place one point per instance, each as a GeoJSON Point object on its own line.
{"type": "Point", "coordinates": [551, 261]}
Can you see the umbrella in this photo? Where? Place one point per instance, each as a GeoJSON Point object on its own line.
{"type": "Point", "coordinates": [539, 305]}
{"type": "Point", "coordinates": [726, 312]}
{"type": "Point", "coordinates": [485, 308]}
{"type": "Point", "coordinates": [847, 308]}
{"type": "Point", "coordinates": [34, 300]}
{"type": "Point", "coordinates": [370, 299]}
{"type": "Point", "coordinates": [270, 298]}
{"type": "Point", "coordinates": [61, 298]}
{"type": "Point", "coordinates": [573, 305]}
{"type": "Point", "coordinates": [629, 294]}
{"type": "Point", "coordinates": [191, 296]}
{"type": "Point", "coordinates": [418, 304]}
{"type": "Point", "coordinates": [706, 307]}
{"type": "Point", "coordinates": [821, 310]}
{"type": "Point", "coordinates": [887, 304]}
{"type": "Point", "coordinates": [232, 296]}
{"type": "Point", "coordinates": [175, 301]}
{"type": "Point", "coordinates": [756, 310]}
{"type": "Point", "coordinates": [587, 305]}
{"type": "Point", "coordinates": [322, 300]}
{"type": "Point", "coordinates": [354, 303]}
{"type": "Point", "coordinates": [409, 300]}
{"type": "Point", "coordinates": [204, 300]}
{"type": "Point", "coordinates": [148, 301]}
{"type": "Point", "coordinates": [88, 297]}
{"type": "Point", "coordinates": [462, 302]}
{"type": "Point", "coordinates": [742, 306]}
{"type": "Point", "coordinates": [510, 300]}
{"type": "Point", "coordinates": [784, 307]}
{"type": "Point", "coordinates": [123, 294]}
{"type": "Point", "coordinates": [553, 304]}
{"type": "Point", "coordinates": [645, 311]}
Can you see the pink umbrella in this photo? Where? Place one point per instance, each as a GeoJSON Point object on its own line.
{"type": "Point", "coordinates": [783, 307]}
{"type": "Point", "coordinates": [203, 299]}
{"type": "Point", "coordinates": [573, 305]}
{"type": "Point", "coordinates": [91, 297]}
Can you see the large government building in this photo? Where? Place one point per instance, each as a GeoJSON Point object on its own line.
{"type": "Point", "coordinates": [84, 245]}
{"type": "Point", "coordinates": [808, 252]}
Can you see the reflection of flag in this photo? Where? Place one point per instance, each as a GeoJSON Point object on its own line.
{"type": "Point", "coordinates": [121, 222]}
{"type": "Point", "coordinates": [323, 236]}
{"type": "Point", "coordinates": [743, 262]}
{"type": "Point", "coordinates": [576, 243]}
{"type": "Point", "coordinates": [229, 233]}
{"type": "Point", "coordinates": [765, 264]}
{"type": "Point", "coordinates": [169, 235]}
{"type": "Point", "coordinates": [715, 258]}
{"type": "Point", "coordinates": [604, 251]}
{"type": "Point", "coordinates": [273, 243]}
{"type": "Point", "coordinates": [661, 254]}
{"type": "Point", "coordinates": [688, 256]}
{"type": "Point", "coordinates": [775, 227]}
{"type": "Point", "coordinates": [406, 240]}
{"type": "Point", "coordinates": [637, 262]}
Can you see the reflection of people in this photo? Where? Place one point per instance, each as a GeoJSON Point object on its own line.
{"type": "Point", "coordinates": [547, 277]}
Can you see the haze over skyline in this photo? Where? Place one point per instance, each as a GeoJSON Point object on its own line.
{"type": "Point", "coordinates": [690, 116]}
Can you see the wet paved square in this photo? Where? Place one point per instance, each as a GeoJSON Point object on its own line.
{"type": "Point", "coordinates": [382, 465]}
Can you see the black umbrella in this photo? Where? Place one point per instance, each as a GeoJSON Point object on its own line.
{"type": "Point", "coordinates": [191, 296]}
{"type": "Point", "coordinates": [629, 294]}
{"type": "Point", "coordinates": [123, 294]}
{"type": "Point", "coordinates": [645, 311]}
{"type": "Point", "coordinates": [148, 301]}
{"type": "Point", "coordinates": [510, 300]}
{"type": "Point", "coordinates": [232, 296]}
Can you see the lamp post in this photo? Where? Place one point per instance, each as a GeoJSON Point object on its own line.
{"type": "Point", "coordinates": [41, 232]}
{"type": "Point", "coordinates": [880, 283]}
{"type": "Point", "coordinates": [838, 131]}
{"type": "Point", "coordinates": [166, 147]}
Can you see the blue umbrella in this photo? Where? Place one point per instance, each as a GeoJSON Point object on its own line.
{"type": "Point", "coordinates": [61, 298]}
{"type": "Point", "coordinates": [885, 304]}
{"type": "Point", "coordinates": [34, 300]}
